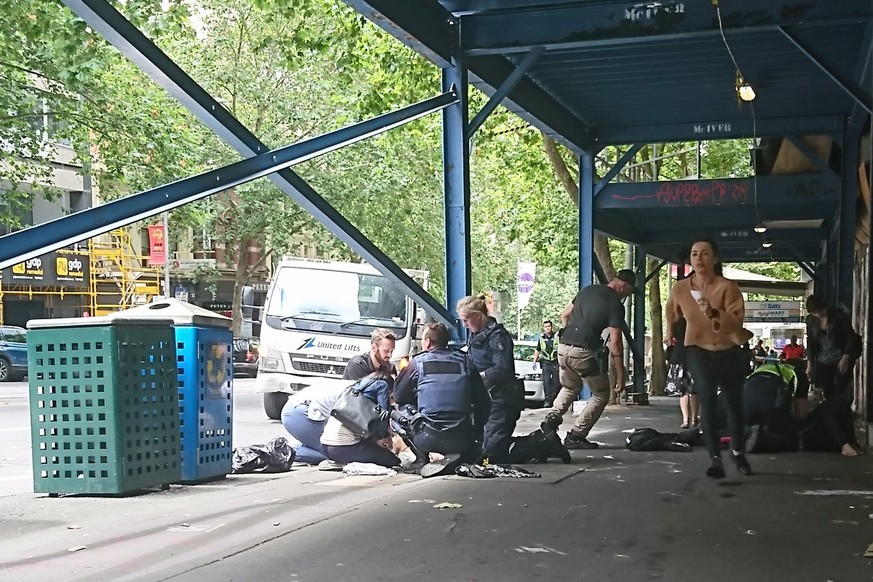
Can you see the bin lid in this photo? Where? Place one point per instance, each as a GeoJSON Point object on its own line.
{"type": "Point", "coordinates": [102, 320]}
{"type": "Point", "coordinates": [181, 312]}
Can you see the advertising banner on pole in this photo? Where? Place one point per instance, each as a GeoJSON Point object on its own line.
{"type": "Point", "coordinates": [157, 245]}
{"type": "Point", "coordinates": [526, 278]}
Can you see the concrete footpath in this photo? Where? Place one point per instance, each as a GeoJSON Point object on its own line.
{"type": "Point", "coordinates": [612, 514]}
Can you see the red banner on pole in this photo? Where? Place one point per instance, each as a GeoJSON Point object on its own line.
{"type": "Point", "coordinates": [157, 245]}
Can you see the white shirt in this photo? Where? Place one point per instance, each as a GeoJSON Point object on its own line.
{"type": "Point", "coordinates": [337, 435]}
{"type": "Point", "coordinates": [321, 400]}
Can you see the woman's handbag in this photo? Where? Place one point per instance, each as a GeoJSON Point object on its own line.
{"type": "Point", "coordinates": [358, 413]}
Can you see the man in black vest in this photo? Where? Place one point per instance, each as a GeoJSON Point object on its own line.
{"type": "Point", "coordinates": [595, 309]}
{"type": "Point", "coordinates": [449, 402]}
{"type": "Point", "coordinates": [546, 355]}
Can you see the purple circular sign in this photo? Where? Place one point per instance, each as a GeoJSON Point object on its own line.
{"type": "Point", "coordinates": [525, 283]}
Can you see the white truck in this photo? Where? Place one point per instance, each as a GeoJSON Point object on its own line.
{"type": "Point", "coordinates": [318, 315]}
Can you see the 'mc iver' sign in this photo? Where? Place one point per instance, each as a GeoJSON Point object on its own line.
{"type": "Point", "coordinates": [773, 311]}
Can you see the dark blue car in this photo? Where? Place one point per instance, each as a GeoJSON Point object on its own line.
{"type": "Point", "coordinates": [13, 353]}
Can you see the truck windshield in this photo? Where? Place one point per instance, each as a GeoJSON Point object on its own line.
{"type": "Point", "coordinates": [336, 301]}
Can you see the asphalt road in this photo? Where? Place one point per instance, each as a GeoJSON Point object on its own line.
{"type": "Point", "coordinates": [250, 426]}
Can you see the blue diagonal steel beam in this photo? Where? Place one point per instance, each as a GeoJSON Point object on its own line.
{"type": "Point", "coordinates": [860, 96]}
{"type": "Point", "coordinates": [46, 237]}
{"type": "Point", "coordinates": [619, 165]}
{"type": "Point", "coordinates": [125, 37]}
{"type": "Point", "coordinates": [504, 89]}
{"type": "Point", "coordinates": [812, 156]}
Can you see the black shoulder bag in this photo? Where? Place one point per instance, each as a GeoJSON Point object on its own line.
{"type": "Point", "coordinates": [358, 413]}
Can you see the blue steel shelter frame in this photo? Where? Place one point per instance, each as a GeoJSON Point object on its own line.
{"type": "Point", "coordinates": [589, 74]}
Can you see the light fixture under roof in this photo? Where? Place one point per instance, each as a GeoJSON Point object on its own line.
{"type": "Point", "coordinates": [800, 223]}
{"type": "Point", "coordinates": [760, 229]}
{"type": "Point", "coordinates": [767, 245]}
{"type": "Point", "coordinates": [745, 91]}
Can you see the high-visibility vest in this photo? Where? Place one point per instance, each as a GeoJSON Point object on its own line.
{"type": "Point", "coordinates": [549, 356]}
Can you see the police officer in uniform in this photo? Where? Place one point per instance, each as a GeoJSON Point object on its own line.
{"type": "Point", "coordinates": [490, 347]}
{"type": "Point", "coordinates": [547, 356]}
{"type": "Point", "coordinates": [452, 404]}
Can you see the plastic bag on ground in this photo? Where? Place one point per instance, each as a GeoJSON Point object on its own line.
{"type": "Point", "coordinates": [276, 456]}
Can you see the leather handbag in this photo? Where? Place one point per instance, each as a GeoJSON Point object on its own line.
{"type": "Point", "coordinates": [358, 413]}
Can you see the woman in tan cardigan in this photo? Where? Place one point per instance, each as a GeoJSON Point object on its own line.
{"type": "Point", "coordinates": [714, 310]}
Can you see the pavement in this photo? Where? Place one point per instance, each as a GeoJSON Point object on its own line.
{"type": "Point", "coordinates": [612, 514]}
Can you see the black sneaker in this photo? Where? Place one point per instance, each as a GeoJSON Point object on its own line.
{"type": "Point", "coordinates": [716, 469]}
{"type": "Point", "coordinates": [578, 442]}
{"type": "Point", "coordinates": [742, 464]}
{"type": "Point", "coordinates": [445, 466]}
{"type": "Point", "coordinates": [551, 423]}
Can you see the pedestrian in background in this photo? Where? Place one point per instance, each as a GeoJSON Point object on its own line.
{"type": "Point", "coordinates": [546, 355]}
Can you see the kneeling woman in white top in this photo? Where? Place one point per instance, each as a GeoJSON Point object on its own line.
{"type": "Point", "coordinates": [343, 446]}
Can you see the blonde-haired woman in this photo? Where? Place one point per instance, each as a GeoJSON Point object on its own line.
{"type": "Point", "coordinates": [490, 347]}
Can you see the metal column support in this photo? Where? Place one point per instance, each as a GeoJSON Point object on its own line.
{"type": "Point", "coordinates": [586, 218]}
{"type": "Point", "coordinates": [639, 299]}
{"type": "Point", "coordinates": [504, 89]}
{"type": "Point", "coordinates": [848, 212]}
{"type": "Point", "coordinates": [124, 36]}
{"type": "Point", "coordinates": [456, 189]}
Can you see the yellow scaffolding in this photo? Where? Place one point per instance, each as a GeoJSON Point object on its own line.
{"type": "Point", "coordinates": [120, 277]}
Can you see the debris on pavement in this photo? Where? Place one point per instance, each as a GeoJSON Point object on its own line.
{"type": "Point", "coordinates": [77, 548]}
{"type": "Point", "coordinates": [447, 505]}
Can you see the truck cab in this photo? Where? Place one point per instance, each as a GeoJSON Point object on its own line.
{"type": "Point", "coordinates": [319, 315]}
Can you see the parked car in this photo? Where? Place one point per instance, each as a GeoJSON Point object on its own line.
{"type": "Point", "coordinates": [13, 353]}
{"type": "Point", "coordinates": [523, 353]}
{"type": "Point", "coordinates": [245, 356]}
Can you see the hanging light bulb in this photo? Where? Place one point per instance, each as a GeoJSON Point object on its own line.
{"type": "Point", "coordinates": [767, 245]}
{"type": "Point", "coordinates": [744, 90]}
{"type": "Point", "coordinates": [760, 229]}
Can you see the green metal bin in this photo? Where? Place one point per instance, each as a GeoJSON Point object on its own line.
{"type": "Point", "coordinates": [104, 410]}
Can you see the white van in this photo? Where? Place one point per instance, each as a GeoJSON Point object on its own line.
{"type": "Point", "coordinates": [319, 315]}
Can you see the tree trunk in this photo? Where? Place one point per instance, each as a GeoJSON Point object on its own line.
{"type": "Point", "coordinates": [559, 165]}
{"type": "Point", "coordinates": [658, 379]}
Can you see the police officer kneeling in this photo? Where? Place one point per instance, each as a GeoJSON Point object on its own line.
{"type": "Point", "coordinates": [448, 401]}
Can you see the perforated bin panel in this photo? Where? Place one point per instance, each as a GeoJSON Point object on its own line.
{"type": "Point", "coordinates": [103, 408]}
{"type": "Point", "coordinates": [204, 360]}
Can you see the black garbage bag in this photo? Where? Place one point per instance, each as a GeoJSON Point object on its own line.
{"type": "Point", "coordinates": [648, 439]}
{"type": "Point", "coordinates": [276, 456]}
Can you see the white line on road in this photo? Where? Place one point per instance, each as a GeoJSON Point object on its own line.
{"type": "Point", "coordinates": [14, 428]}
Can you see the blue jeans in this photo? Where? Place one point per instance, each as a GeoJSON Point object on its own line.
{"type": "Point", "coordinates": [307, 431]}
{"type": "Point", "coordinates": [726, 369]}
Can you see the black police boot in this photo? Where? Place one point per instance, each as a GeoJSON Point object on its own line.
{"type": "Point", "coordinates": [555, 448]}
{"type": "Point", "coordinates": [528, 449]}
{"type": "Point", "coordinates": [551, 423]}
{"type": "Point", "coordinates": [445, 466]}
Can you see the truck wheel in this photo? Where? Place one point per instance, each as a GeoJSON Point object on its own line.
{"type": "Point", "coordinates": [273, 404]}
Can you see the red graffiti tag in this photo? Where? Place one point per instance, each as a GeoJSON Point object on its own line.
{"type": "Point", "coordinates": [696, 193]}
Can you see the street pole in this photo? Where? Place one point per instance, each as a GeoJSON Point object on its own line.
{"type": "Point", "coordinates": [166, 217]}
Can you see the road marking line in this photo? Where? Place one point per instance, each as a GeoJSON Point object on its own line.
{"type": "Point", "coordinates": [14, 428]}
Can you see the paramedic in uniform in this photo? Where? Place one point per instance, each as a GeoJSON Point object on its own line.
{"type": "Point", "coordinates": [490, 347]}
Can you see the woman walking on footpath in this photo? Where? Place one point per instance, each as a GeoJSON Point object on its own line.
{"type": "Point", "coordinates": [713, 309]}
